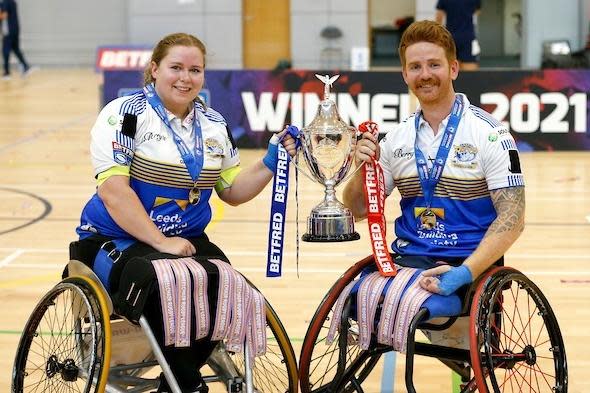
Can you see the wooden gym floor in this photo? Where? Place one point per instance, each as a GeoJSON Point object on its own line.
{"type": "Point", "coordinates": [46, 177]}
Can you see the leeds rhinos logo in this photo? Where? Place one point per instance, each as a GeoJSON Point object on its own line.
{"type": "Point", "coordinates": [213, 147]}
{"type": "Point", "coordinates": [465, 153]}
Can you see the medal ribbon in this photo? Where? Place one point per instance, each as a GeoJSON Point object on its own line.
{"type": "Point", "coordinates": [193, 162]}
{"type": "Point", "coordinates": [429, 178]}
{"type": "Point", "coordinates": [374, 190]}
{"type": "Point", "coordinates": [278, 210]}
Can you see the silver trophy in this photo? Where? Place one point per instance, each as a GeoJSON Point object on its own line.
{"type": "Point", "coordinates": [328, 147]}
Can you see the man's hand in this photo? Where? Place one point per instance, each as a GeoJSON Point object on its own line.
{"type": "Point", "coordinates": [366, 149]}
{"type": "Point", "coordinates": [445, 279]}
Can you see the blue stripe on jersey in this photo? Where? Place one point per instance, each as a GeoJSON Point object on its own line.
{"type": "Point", "coordinates": [125, 140]}
{"type": "Point", "coordinates": [135, 105]}
{"type": "Point", "coordinates": [211, 114]}
{"type": "Point", "coordinates": [508, 144]}
{"type": "Point", "coordinates": [485, 116]}
{"type": "Point", "coordinates": [515, 180]}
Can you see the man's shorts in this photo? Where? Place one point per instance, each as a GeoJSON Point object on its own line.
{"type": "Point", "coordinates": [467, 51]}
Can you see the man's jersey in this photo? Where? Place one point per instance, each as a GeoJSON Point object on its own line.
{"type": "Point", "coordinates": [157, 172]}
{"type": "Point", "coordinates": [482, 158]}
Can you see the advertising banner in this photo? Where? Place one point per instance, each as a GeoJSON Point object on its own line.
{"type": "Point", "coordinates": [544, 110]}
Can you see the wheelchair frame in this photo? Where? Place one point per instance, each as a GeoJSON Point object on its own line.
{"type": "Point", "coordinates": [88, 351]}
{"type": "Point", "coordinates": [487, 355]}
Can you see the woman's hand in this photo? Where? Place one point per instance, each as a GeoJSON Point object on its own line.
{"type": "Point", "coordinates": [287, 138]}
{"type": "Point", "coordinates": [176, 246]}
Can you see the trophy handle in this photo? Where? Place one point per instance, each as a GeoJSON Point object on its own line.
{"type": "Point", "coordinates": [300, 168]}
{"type": "Point", "coordinates": [351, 174]}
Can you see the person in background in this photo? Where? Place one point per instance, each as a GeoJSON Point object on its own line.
{"type": "Point", "coordinates": [460, 16]}
{"type": "Point", "coordinates": [11, 37]}
{"type": "Point", "coordinates": [158, 156]}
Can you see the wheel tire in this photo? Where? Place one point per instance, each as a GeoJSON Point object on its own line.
{"type": "Point", "coordinates": [515, 338]}
{"type": "Point", "coordinates": [66, 342]}
{"type": "Point", "coordinates": [275, 371]}
{"type": "Point", "coordinates": [317, 365]}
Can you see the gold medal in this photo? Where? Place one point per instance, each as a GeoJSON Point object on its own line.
{"type": "Point", "coordinates": [194, 195]}
{"type": "Point", "coordinates": [428, 220]}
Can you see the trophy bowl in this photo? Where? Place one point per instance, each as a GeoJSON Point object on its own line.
{"type": "Point", "coordinates": [328, 149]}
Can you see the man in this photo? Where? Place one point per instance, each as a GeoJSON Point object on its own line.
{"type": "Point", "coordinates": [462, 201]}
{"type": "Point", "coordinates": [459, 17]}
{"type": "Point", "coordinates": [11, 39]}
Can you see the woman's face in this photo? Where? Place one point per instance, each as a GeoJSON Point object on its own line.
{"type": "Point", "coordinates": [179, 78]}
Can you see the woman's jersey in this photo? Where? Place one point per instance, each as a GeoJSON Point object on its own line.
{"type": "Point", "coordinates": [157, 172]}
{"type": "Point", "coordinates": [483, 157]}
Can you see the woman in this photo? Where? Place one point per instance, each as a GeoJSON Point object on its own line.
{"type": "Point", "coordinates": [157, 156]}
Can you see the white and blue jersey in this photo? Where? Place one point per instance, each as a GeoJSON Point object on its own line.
{"type": "Point", "coordinates": [482, 158]}
{"type": "Point", "coordinates": [155, 167]}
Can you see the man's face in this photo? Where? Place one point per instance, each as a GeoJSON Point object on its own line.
{"type": "Point", "coordinates": [427, 72]}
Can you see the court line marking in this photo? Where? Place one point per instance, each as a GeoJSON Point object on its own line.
{"type": "Point", "coordinates": [45, 131]}
{"type": "Point", "coordinates": [6, 261]}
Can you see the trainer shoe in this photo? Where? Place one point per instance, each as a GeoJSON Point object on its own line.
{"type": "Point", "coordinates": [6, 77]}
{"type": "Point", "coordinates": [29, 71]}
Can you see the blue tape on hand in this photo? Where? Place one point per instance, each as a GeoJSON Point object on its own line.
{"type": "Point", "coordinates": [454, 279]}
{"type": "Point", "coordinates": [271, 158]}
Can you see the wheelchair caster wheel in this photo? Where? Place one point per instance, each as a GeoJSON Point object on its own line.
{"type": "Point", "coordinates": [236, 385]}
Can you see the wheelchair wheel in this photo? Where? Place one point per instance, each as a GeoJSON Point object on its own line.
{"type": "Point", "coordinates": [275, 371]}
{"type": "Point", "coordinates": [516, 344]}
{"type": "Point", "coordinates": [65, 345]}
{"type": "Point", "coordinates": [321, 364]}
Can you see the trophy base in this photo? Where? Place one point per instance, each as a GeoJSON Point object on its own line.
{"type": "Point", "coordinates": [330, 225]}
{"type": "Point", "coordinates": [346, 237]}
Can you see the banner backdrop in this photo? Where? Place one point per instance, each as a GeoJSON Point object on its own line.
{"type": "Point", "coordinates": [545, 110]}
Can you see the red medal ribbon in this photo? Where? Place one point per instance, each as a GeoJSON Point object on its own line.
{"type": "Point", "coordinates": [374, 189]}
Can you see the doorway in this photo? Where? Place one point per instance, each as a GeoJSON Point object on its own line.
{"type": "Point", "coordinates": [266, 33]}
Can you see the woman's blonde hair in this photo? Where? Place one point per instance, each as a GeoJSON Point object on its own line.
{"type": "Point", "coordinates": [163, 47]}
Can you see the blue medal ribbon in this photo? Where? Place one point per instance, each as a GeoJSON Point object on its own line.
{"type": "Point", "coordinates": [278, 210]}
{"type": "Point", "coordinates": [193, 162]}
{"type": "Point", "coordinates": [429, 178]}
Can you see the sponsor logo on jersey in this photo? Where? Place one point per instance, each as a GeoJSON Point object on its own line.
{"type": "Point", "coordinates": [464, 156]}
{"type": "Point", "coordinates": [213, 147]}
{"type": "Point", "coordinates": [152, 136]}
{"type": "Point", "coordinates": [113, 120]}
{"type": "Point", "coordinates": [122, 154]}
{"type": "Point", "coordinates": [399, 153]}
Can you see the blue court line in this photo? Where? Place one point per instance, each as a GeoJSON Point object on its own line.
{"type": "Point", "coordinates": [388, 377]}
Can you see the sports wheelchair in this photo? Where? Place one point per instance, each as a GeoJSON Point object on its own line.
{"type": "Point", "coordinates": [515, 344]}
{"type": "Point", "coordinates": [72, 336]}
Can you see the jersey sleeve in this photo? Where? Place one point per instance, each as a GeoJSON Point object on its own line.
{"type": "Point", "coordinates": [501, 163]}
{"type": "Point", "coordinates": [108, 146]}
{"type": "Point", "coordinates": [231, 155]}
{"type": "Point", "coordinates": [385, 159]}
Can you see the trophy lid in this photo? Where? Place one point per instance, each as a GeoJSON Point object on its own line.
{"type": "Point", "coordinates": [327, 119]}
